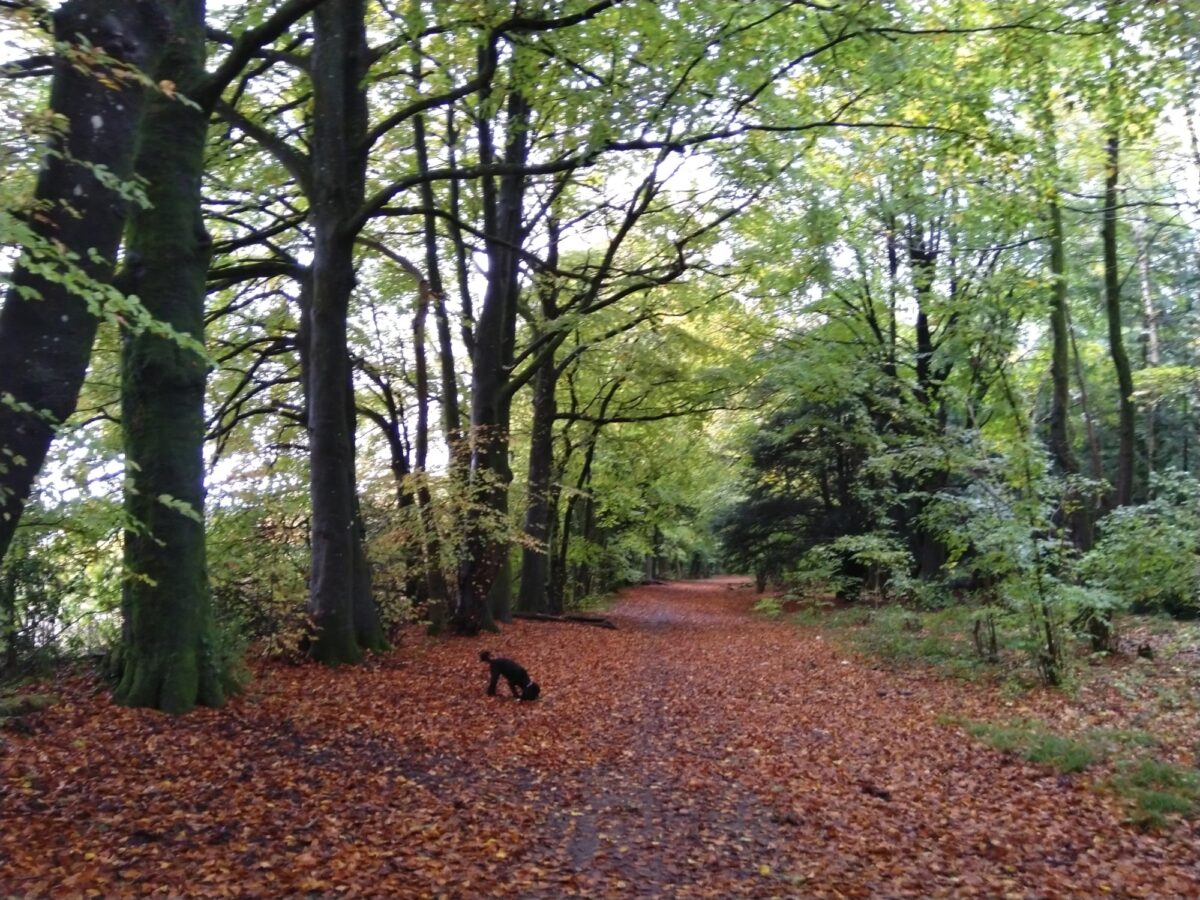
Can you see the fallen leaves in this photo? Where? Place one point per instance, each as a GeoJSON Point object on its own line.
{"type": "Point", "coordinates": [698, 751]}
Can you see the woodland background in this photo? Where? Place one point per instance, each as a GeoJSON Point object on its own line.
{"type": "Point", "coordinates": [324, 317]}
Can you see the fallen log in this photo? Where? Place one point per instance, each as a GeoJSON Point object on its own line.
{"type": "Point", "coordinates": [598, 621]}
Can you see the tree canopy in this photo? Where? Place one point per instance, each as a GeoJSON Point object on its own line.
{"type": "Point", "coordinates": [327, 316]}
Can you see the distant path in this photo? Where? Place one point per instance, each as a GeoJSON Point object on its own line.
{"type": "Point", "coordinates": [754, 760]}
{"type": "Point", "coordinates": [700, 750]}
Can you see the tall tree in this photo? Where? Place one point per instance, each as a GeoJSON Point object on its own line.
{"type": "Point", "coordinates": [1059, 440]}
{"type": "Point", "coordinates": [340, 601]}
{"type": "Point", "coordinates": [1112, 112]}
{"type": "Point", "coordinates": [51, 312]}
{"type": "Point", "coordinates": [495, 334]}
{"type": "Point", "coordinates": [170, 658]}
{"type": "Point", "coordinates": [1126, 435]}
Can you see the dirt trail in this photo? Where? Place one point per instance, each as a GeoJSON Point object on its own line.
{"type": "Point", "coordinates": [698, 751]}
{"type": "Point", "coordinates": [762, 762]}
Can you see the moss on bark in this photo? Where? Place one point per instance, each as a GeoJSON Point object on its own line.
{"type": "Point", "coordinates": [170, 655]}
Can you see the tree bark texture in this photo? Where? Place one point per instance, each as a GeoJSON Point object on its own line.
{"type": "Point", "coordinates": [46, 328]}
{"type": "Point", "coordinates": [535, 560]}
{"type": "Point", "coordinates": [338, 65]}
{"type": "Point", "coordinates": [1153, 348]}
{"type": "Point", "coordinates": [1116, 338]}
{"type": "Point", "coordinates": [169, 655]}
{"type": "Point", "coordinates": [491, 361]}
{"type": "Point", "coordinates": [1061, 450]}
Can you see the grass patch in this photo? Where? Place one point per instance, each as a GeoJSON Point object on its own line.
{"type": "Point", "coordinates": [824, 614]}
{"type": "Point", "coordinates": [770, 606]}
{"type": "Point", "coordinates": [1158, 790]}
{"type": "Point", "coordinates": [1122, 737]}
{"type": "Point", "coordinates": [22, 704]}
{"type": "Point", "coordinates": [1032, 742]}
{"type": "Point", "coordinates": [904, 637]}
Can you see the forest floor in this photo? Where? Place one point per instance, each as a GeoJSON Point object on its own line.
{"type": "Point", "coordinates": [700, 750]}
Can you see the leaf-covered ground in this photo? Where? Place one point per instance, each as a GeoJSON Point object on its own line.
{"type": "Point", "coordinates": [699, 751]}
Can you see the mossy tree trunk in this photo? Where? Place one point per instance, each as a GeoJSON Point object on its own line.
{"type": "Point", "coordinates": [170, 659]}
{"type": "Point", "coordinates": [46, 327]}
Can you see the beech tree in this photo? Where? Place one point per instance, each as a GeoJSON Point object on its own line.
{"type": "Point", "coordinates": [518, 220]}
{"type": "Point", "coordinates": [60, 287]}
{"type": "Point", "coordinates": [170, 657]}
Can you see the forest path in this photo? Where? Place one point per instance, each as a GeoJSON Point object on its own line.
{"type": "Point", "coordinates": [700, 750]}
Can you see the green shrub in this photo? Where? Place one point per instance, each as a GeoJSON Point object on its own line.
{"type": "Point", "coordinates": [1149, 555]}
{"type": "Point", "coordinates": [771, 607]}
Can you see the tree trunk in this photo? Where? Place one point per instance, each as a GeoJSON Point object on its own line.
{"type": "Point", "coordinates": [46, 327]}
{"type": "Point", "coordinates": [8, 621]}
{"type": "Point", "coordinates": [535, 559]}
{"type": "Point", "coordinates": [584, 578]}
{"type": "Point", "coordinates": [553, 594]}
{"type": "Point", "coordinates": [577, 512]}
{"type": "Point", "coordinates": [435, 293]}
{"type": "Point", "coordinates": [451, 417]}
{"type": "Point", "coordinates": [333, 518]}
{"type": "Point", "coordinates": [1153, 350]}
{"type": "Point", "coordinates": [1099, 622]}
{"type": "Point", "coordinates": [1079, 515]}
{"type": "Point", "coordinates": [929, 553]}
{"type": "Point", "coordinates": [490, 473]}
{"type": "Point", "coordinates": [433, 583]}
{"type": "Point", "coordinates": [1116, 339]}
{"type": "Point", "coordinates": [500, 598]}
{"type": "Point", "coordinates": [169, 654]}
{"type": "Point", "coordinates": [338, 65]}
{"type": "Point", "coordinates": [579, 496]}
{"type": "Point", "coordinates": [368, 630]}
{"type": "Point", "coordinates": [1060, 376]}
{"type": "Point", "coordinates": [1095, 456]}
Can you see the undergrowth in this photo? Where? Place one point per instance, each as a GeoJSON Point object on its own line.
{"type": "Point", "coordinates": [1122, 759]}
{"type": "Point", "coordinates": [904, 637]}
{"type": "Point", "coordinates": [1030, 741]}
{"type": "Point", "coordinates": [1156, 790]}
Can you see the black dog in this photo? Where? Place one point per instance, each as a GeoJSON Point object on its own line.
{"type": "Point", "coordinates": [522, 686]}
